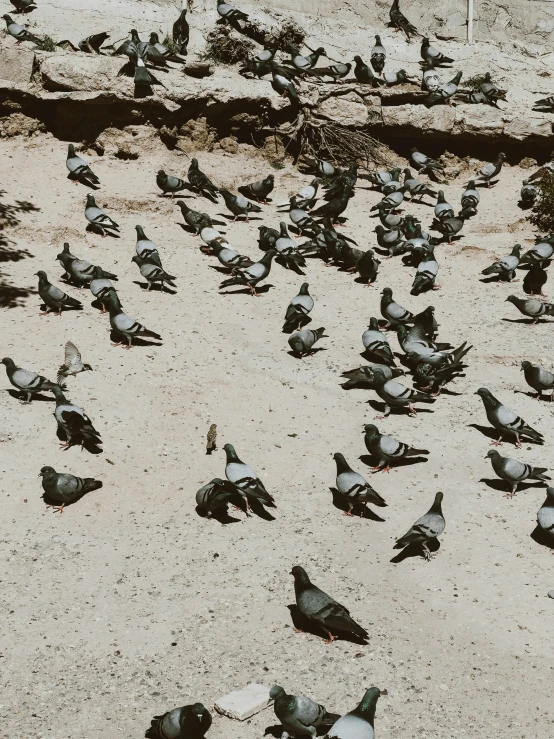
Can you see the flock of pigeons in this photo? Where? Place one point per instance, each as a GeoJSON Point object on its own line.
{"type": "Point", "coordinates": [431, 363]}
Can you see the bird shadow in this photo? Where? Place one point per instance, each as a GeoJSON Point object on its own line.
{"type": "Point", "coordinates": [259, 510]}
{"type": "Point", "coordinates": [527, 321]}
{"type": "Point", "coordinates": [155, 288]}
{"type": "Point", "coordinates": [541, 537]}
{"type": "Point", "coordinates": [90, 228]}
{"type": "Point", "coordinates": [65, 308]}
{"type": "Point", "coordinates": [484, 184]}
{"type": "Point", "coordinates": [137, 341]}
{"type": "Point", "coordinates": [299, 621]}
{"type": "Point", "coordinates": [504, 487]}
{"type": "Point", "coordinates": [276, 730]}
{"type": "Point", "coordinates": [246, 291]}
{"type": "Point", "coordinates": [87, 444]}
{"type": "Point", "coordinates": [380, 407]}
{"type": "Point", "coordinates": [488, 431]}
{"type": "Point", "coordinates": [219, 268]}
{"type": "Point", "coordinates": [402, 462]}
{"type": "Point", "coordinates": [51, 502]}
{"type": "Point", "coordinates": [220, 514]}
{"type": "Point", "coordinates": [415, 550]}
{"type": "Point", "coordinates": [359, 510]}
{"type": "Point", "coordinates": [239, 219]}
{"type": "Point", "coordinates": [22, 396]}
{"type": "Point", "coordinates": [98, 305]}
{"type": "Point", "coordinates": [312, 352]}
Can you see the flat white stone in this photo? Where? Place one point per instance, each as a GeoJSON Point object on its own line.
{"type": "Point", "coordinates": [241, 704]}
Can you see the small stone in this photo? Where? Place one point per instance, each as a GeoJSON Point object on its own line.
{"type": "Point", "coordinates": [551, 593]}
{"type": "Point", "coordinates": [241, 704]}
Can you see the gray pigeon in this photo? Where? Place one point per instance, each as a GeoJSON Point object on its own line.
{"type": "Point", "coordinates": [428, 527]}
{"type": "Point", "coordinates": [145, 248]}
{"type": "Point", "coordinates": [79, 169]}
{"type": "Point", "coordinates": [430, 79]}
{"type": "Point", "coordinates": [73, 364]}
{"type": "Point", "coordinates": [52, 297]}
{"type": "Point", "coordinates": [393, 313]}
{"type": "Point", "coordinates": [528, 193]}
{"type": "Point", "coordinates": [152, 273]}
{"type": "Point", "coordinates": [102, 288]}
{"type": "Point", "coordinates": [73, 422]}
{"type": "Point", "coordinates": [298, 309]}
{"type": "Point", "coordinates": [125, 326]}
{"type": "Point", "coordinates": [227, 256]}
{"type": "Point", "coordinates": [78, 270]}
{"type": "Point", "coordinates": [514, 471]}
{"type": "Point", "coordinates": [426, 275]}
{"type": "Point", "coordinates": [538, 378]}
{"type": "Point", "coordinates": [378, 55]}
{"type": "Point", "coordinates": [541, 252]}
{"type": "Point", "coordinates": [386, 449]}
{"type": "Point", "coordinates": [92, 44]}
{"type": "Point", "coordinates": [545, 514]}
{"type": "Point", "coordinates": [506, 267]}
{"type": "Point", "coordinates": [26, 381]}
{"type": "Point", "coordinates": [238, 204]}
{"type": "Point", "coordinates": [284, 86]}
{"type": "Point", "coordinates": [531, 307]}
{"type": "Point", "coordinates": [301, 342]}
{"type": "Point", "coordinates": [258, 190]}
{"type": "Point", "coordinates": [489, 170]}
{"type": "Point", "coordinates": [216, 494]}
{"type": "Point", "coordinates": [201, 181]}
{"type": "Point", "coordinates": [376, 344]}
{"type": "Point", "coordinates": [359, 723]}
{"type": "Point", "coordinates": [229, 13]}
{"type": "Point", "coordinates": [429, 52]}
{"type": "Point", "coordinates": [187, 722]}
{"type": "Point", "coordinates": [506, 421]}
{"type": "Point", "coordinates": [299, 716]}
{"type": "Point", "coordinates": [19, 33]}
{"type": "Point", "coordinates": [306, 197]}
{"type": "Point", "coordinates": [327, 613]}
{"type": "Point", "coordinates": [416, 188]}
{"type": "Point", "coordinates": [363, 376]}
{"type": "Point", "coordinates": [99, 220]}
{"type": "Point", "coordinates": [390, 202]}
{"type": "Point", "coordinates": [443, 93]}
{"type": "Point", "coordinates": [396, 395]}
{"type": "Point", "coordinates": [169, 185]}
{"type": "Point", "coordinates": [424, 164]}
{"type": "Point", "coordinates": [470, 196]}
{"type": "Point", "coordinates": [353, 487]}
{"type": "Point", "coordinates": [195, 219]}
{"type": "Point", "coordinates": [64, 488]}
{"type": "Point", "coordinates": [245, 479]}
{"type": "Point", "coordinates": [24, 6]}
{"type": "Point", "coordinates": [443, 209]}
{"type": "Point", "coordinates": [250, 276]}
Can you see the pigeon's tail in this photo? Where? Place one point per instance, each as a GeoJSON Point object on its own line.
{"type": "Point", "coordinates": [245, 190]}
{"type": "Point", "coordinates": [537, 473]}
{"type": "Point", "coordinates": [532, 434]}
{"type": "Point", "coordinates": [349, 625]}
{"type": "Point", "coordinates": [253, 208]}
{"type": "Point", "coordinates": [235, 280]}
{"type": "Point", "coordinates": [493, 269]}
{"type": "Point", "coordinates": [91, 484]}
{"type": "Point", "coordinates": [151, 334]}
{"type": "Point", "coordinates": [76, 303]}
{"type": "Point", "coordinates": [155, 730]}
{"type": "Point", "coordinates": [460, 352]}
{"type": "Point", "coordinates": [411, 452]}
{"type": "Point", "coordinates": [260, 494]}
{"type": "Point", "coordinates": [549, 309]}
{"type": "Point", "coordinates": [421, 283]}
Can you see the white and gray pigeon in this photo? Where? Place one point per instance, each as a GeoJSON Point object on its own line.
{"type": "Point", "coordinates": [238, 204]}
{"type": "Point", "coordinates": [363, 376]}
{"type": "Point", "coordinates": [73, 363]}
{"type": "Point", "coordinates": [489, 170]}
{"type": "Point", "coordinates": [79, 169]}
{"type": "Point", "coordinates": [541, 252]}
{"type": "Point", "coordinates": [26, 381]}
{"type": "Point", "coordinates": [376, 343]}
{"type": "Point", "coordinates": [386, 449]}
{"type": "Point", "coordinates": [506, 421]}
{"type": "Point", "coordinates": [429, 52]}
{"type": "Point", "coordinates": [306, 197]}
{"type": "Point", "coordinates": [125, 326]}
{"type": "Point", "coordinates": [302, 342]}
{"type": "Point", "coordinates": [359, 723]}
{"type": "Point", "coordinates": [168, 184]}
{"type": "Point", "coordinates": [79, 271]}
{"type": "Point", "coordinates": [99, 220]}
{"type": "Point", "coordinates": [531, 307]}
{"type": "Point", "coordinates": [251, 276]}
{"type": "Point", "coordinates": [393, 313]}
{"type": "Point", "coordinates": [245, 479]}
{"type": "Point", "coordinates": [19, 33]}
{"type": "Point", "coordinates": [54, 298]}
{"type": "Point", "coordinates": [101, 287]}
{"type": "Point", "coordinates": [187, 722]}
{"type": "Point", "coordinates": [145, 248]}
{"type": "Point", "coordinates": [545, 514]}
{"type": "Point", "coordinates": [538, 378]}
{"type": "Point", "coordinates": [426, 275]}
{"type": "Point", "coordinates": [299, 716]}
{"type": "Point", "coordinates": [471, 196]}
{"type": "Point", "coordinates": [378, 55]}
{"type": "Point", "coordinates": [430, 79]}
{"type": "Point", "coordinates": [353, 488]}
{"type": "Point", "coordinates": [229, 13]}
{"type": "Point", "coordinates": [443, 209]}
{"type": "Point", "coordinates": [428, 527]}
{"type": "Point", "coordinates": [416, 188]}
{"type": "Point", "coordinates": [299, 217]}
{"type": "Point", "coordinates": [63, 488]}
{"type": "Point", "coordinates": [298, 309]}
{"type": "Point", "coordinates": [390, 202]}
{"type": "Point", "coordinates": [424, 164]}
{"type": "Point", "coordinates": [396, 395]}
{"type": "Point", "coordinates": [513, 471]}
{"type": "Point", "coordinates": [216, 494]}
{"type": "Point", "coordinates": [506, 267]}
{"type": "Point", "coordinates": [258, 190]}
{"type": "Point", "coordinates": [443, 93]}
{"type": "Point", "coordinates": [227, 256]}
{"type": "Point", "coordinates": [152, 273]}
{"type": "Point", "coordinates": [73, 422]}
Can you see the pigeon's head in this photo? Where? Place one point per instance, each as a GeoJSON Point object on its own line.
{"type": "Point", "coordinates": [41, 274]}
{"type": "Point", "coordinates": [198, 709]}
{"type": "Point", "coordinates": [300, 575]}
{"type": "Point", "coordinates": [90, 200]}
{"type": "Point", "coordinates": [70, 150]}
{"type": "Point", "coordinates": [492, 454]}
{"type": "Point", "coordinates": [7, 18]}
{"type": "Point", "coordinates": [373, 324]}
{"type": "Point", "coordinates": [502, 156]}
{"type": "Point", "coordinates": [320, 50]}
{"type": "Point", "coordinates": [358, 59]}
{"type": "Point", "coordinates": [137, 260]}
{"type": "Point", "coordinates": [387, 292]}
{"type": "Point", "coordinates": [402, 74]}
{"type": "Point", "coordinates": [483, 392]}
{"type": "Point", "coordinates": [161, 173]}
{"type": "Point", "coordinates": [526, 365]}
{"type": "Point", "coordinates": [8, 362]}
{"type": "Point", "coordinates": [46, 471]}
{"type": "Point", "coordinates": [275, 692]}
{"type": "Point", "coordinates": [154, 39]}
{"type": "Point", "coordinates": [511, 299]}
{"type": "Point", "coordinates": [193, 163]}
{"type": "Point", "coordinates": [304, 288]}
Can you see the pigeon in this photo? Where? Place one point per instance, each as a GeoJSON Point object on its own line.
{"type": "Point", "coordinates": [513, 471]}
{"type": "Point", "coordinates": [299, 716]}
{"type": "Point", "coordinates": [417, 347]}
{"type": "Point", "coordinates": [194, 218]}
{"type": "Point", "coordinates": [400, 22]}
{"type": "Point", "coordinates": [258, 190]}
{"type": "Point", "coordinates": [391, 202]}
{"type": "Point", "coordinates": [200, 181]}
{"type": "Point", "coordinates": [538, 378]}
{"type": "Point", "coordinates": [63, 488]}
{"type": "Point", "coordinates": [359, 723]}
{"type": "Point", "coordinates": [300, 218]}
{"type": "Point", "coordinates": [336, 71]}
{"type": "Point", "coordinates": [431, 377]}
{"type": "Point", "coordinates": [545, 514]}
{"type": "Point", "coordinates": [143, 79]}
{"type": "Point", "coordinates": [368, 266]}
{"type": "Point", "coordinates": [24, 6]}
{"type": "Point", "coordinates": [353, 487]}
{"type": "Point", "coordinates": [395, 78]}
{"type": "Point", "coordinates": [319, 607]}
{"type": "Point", "coordinates": [506, 421]}
{"type": "Point", "coordinates": [19, 33]}
{"type": "Point", "coordinates": [393, 313]}
{"type": "Point", "coordinates": [428, 527]}
{"type": "Point", "coordinates": [168, 184]}
{"type": "Point", "coordinates": [531, 307]}
{"type": "Point", "coordinates": [227, 256]}
{"type": "Point", "coordinates": [73, 364]}
{"type": "Point", "coordinates": [78, 270]}
{"type": "Point", "coordinates": [378, 55]}
{"type": "Point", "coordinates": [305, 198]}
{"type": "Point", "coordinates": [450, 226]}
{"type": "Point", "coordinates": [125, 326]}
{"type": "Point", "coordinates": [286, 248]}
{"type": "Point", "coordinates": [490, 90]}
{"type": "Point", "coordinates": [380, 178]}
{"type": "Point", "coordinates": [52, 297]}
{"type": "Point", "coordinates": [386, 449]}
{"type": "Point", "coordinates": [424, 164]}
{"type": "Point", "coordinates": [425, 276]}
{"type": "Point", "coordinates": [245, 479]}
{"type": "Point", "coordinates": [153, 273]}
{"type": "Point", "coordinates": [79, 169]}
{"type": "Point", "coordinates": [396, 395]}
{"type": "Point", "coordinates": [216, 494]}
{"type": "Point", "coordinates": [250, 276]}
{"type": "Point", "coordinates": [145, 248]}
{"type": "Point", "coordinates": [92, 44]}
{"type": "Point", "coordinates": [535, 279]}
{"type": "Point", "coordinates": [445, 92]}
{"type": "Point", "coordinates": [470, 196]}
{"type": "Point", "coordinates": [363, 376]}
{"type": "Point", "coordinates": [298, 309]}
{"type": "Point", "coordinates": [284, 86]}
{"type": "Point", "coordinates": [238, 204]}
{"type": "Point", "coordinates": [541, 252]}
{"type": "Point", "coordinates": [163, 50]}
{"type": "Point", "coordinates": [102, 288]}
{"type": "Point", "coordinates": [506, 267]}
{"type": "Point", "coordinates": [394, 184]}
{"type": "Point", "coordinates": [528, 193]}
{"type": "Point", "coordinates": [301, 342]}
{"type": "Point", "coordinates": [430, 79]}
{"type": "Point", "coordinates": [442, 208]}
{"type": "Point", "coordinates": [388, 239]}
{"type": "Point", "coordinates": [188, 722]}
{"type": "Point", "coordinates": [418, 248]}
{"type": "Point", "coordinates": [489, 170]}
{"type": "Point", "coordinates": [544, 105]}
{"type": "Point", "coordinates": [376, 344]}
{"type": "Point", "coordinates": [429, 52]}
{"type": "Point", "coordinates": [416, 188]}
{"type": "Point", "coordinates": [27, 382]}
{"type": "Point", "coordinates": [181, 32]}
{"type": "Point", "coordinates": [303, 63]}
{"type": "Point", "coordinates": [98, 218]}
{"type": "Point", "coordinates": [230, 13]}
{"type": "Point", "coordinates": [73, 422]}
{"type": "Point", "coordinates": [363, 73]}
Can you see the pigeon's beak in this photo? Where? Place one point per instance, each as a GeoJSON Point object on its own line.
{"type": "Point", "coordinates": [40, 474]}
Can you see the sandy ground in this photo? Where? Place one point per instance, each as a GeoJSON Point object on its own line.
{"type": "Point", "coordinates": [130, 604]}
